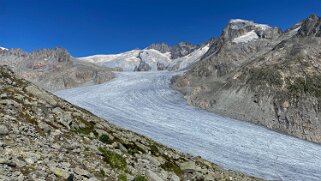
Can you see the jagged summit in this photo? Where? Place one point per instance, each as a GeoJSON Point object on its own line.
{"type": "Point", "coordinates": [179, 50]}
{"type": "Point", "coordinates": [242, 22]}
{"type": "Point", "coordinates": [311, 26]}
{"type": "Point", "coordinates": [162, 47]}
{"type": "Point", "coordinates": [243, 31]}
{"type": "Point", "coordinates": [54, 54]}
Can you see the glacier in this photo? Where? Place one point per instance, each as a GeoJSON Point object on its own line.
{"type": "Point", "coordinates": [145, 103]}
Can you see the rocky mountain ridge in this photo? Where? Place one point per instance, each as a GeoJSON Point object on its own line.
{"type": "Point", "coordinates": [153, 58]}
{"type": "Point", "coordinates": [43, 137]}
{"type": "Point", "coordinates": [53, 69]}
{"type": "Point", "coordinates": [262, 74]}
{"type": "Point", "coordinates": [177, 51]}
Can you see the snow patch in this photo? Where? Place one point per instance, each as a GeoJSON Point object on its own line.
{"type": "Point", "coordinates": [261, 26]}
{"type": "Point", "coordinates": [187, 61]}
{"type": "Point", "coordinates": [128, 61]}
{"type": "Point", "coordinates": [239, 21]}
{"type": "Point", "coordinates": [2, 48]}
{"type": "Point", "coordinates": [250, 36]}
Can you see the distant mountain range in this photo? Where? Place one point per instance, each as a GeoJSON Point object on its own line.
{"type": "Point", "coordinates": [55, 69]}
{"type": "Point", "coordinates": [155, 57]}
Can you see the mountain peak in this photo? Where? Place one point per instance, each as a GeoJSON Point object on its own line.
{"type": "Point", "coordinates": [57, 54]}
{"type": "Point", "coordinates": [2, 48]}
{"type": "Point", "coordinates": [162, 47]}
{"type": "Point", "coordinates": [311, 26]}
{"type": "Point", "coordinates": [239, 23]}
{"type": "Point", "coordinates": [239, 30]}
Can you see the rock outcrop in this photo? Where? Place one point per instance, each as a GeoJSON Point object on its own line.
{"type": "Point", "coordinates": [261, 74]}
{"type": "Point", "coordinates": [53, 69]}
{"type": "Point", "coordinates": [180, 50]}
{"type": "Point", "coordinates": [43, 137]}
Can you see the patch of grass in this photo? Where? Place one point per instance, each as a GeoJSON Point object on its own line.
{"type": "Point", "coordinates": [122, 177]}
{"type": "Point", "coordinates": [102, 172]}
{"type": "Point", "coordinates": [305, 85]}
{"type": "Point", "coordinates": [28, 118]}
{"type": "Point", "coordinates": [140, 178]}
{"type": "Point", "coordinates": [113, 159]}
{"type": "Point", "coordinates": [87, 123]}
{"type": "Point", "coordinates": [86, 149]}
{"type": "Point", "coordinates": [263, 76]}
{"type": "Point", "coordinates": [85, 130]}
{"type": "Point", "coordinates": [89, 128]}
{"type": "Point", "coordinates": [27, 169]}
{"type": "Point", "coordinates": [172, 167]}
{"type": "Point", "coordinates": [154, 150]}
{"type": "Point", "coordinates": [105, 139]}
{"type": "Point", "coordinates": [133, 148]}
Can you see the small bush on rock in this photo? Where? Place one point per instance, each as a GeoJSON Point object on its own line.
{"type": "Point", "coordinates": [140, 178]}
{"type": "Point", "coordinates": [113, 159]}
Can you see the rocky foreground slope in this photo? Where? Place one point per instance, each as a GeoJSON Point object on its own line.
{"type": "Point", "coordinates": [262, 74]}
{"type": "Point", "coordinates": [43, 137]}
{"type": "Point", "coordinates": [53, 69]}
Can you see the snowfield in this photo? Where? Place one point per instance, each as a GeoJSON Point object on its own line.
{"type": "Point", "coordinates": [250, 36]}
{"type": "Point", "coordinates": [144, 102]}
{"type": "Point", "coordinates": [130, 60]}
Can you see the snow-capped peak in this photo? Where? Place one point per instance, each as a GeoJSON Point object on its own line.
{"type": "Point", "coordinates": [239, 21]}
{"type": "Point", "coordinates": [252, 23]}
{"type": "Point", "coordinates": [154, 59]}
{"type": "Point", "coordinates": [2, 48]}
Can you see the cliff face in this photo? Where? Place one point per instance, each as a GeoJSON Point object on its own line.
{"type": "Point", "coordinates": [272, 80]}
{"type": "Point", "coordinates": [43, 137]}
{"type": "Point", "coordinates": [53, 69]}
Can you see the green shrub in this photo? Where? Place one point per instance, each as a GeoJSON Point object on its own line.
{"type": "Point", "coordinates": [133, 148]}
{"type": "Point", "coordinates": [172, 167]}
{"type": "Point", "coordinates": [85, 130]}
{"type": "Point", "coordinates": [122, 177]}
{"type": "Point", "coordinates": [263, 76]}
{"type": "Point", "coordinates": [90, 126]}
{"type": "Point", "coordinates": [140, 178]}
{"type": "Point", "coordinates": [308, 85]}
{"type": "Point", "coordinates": [154, 150]}
{"type": "Point", "coordinates": [105, 139]}
{"type": "Point", "coordinates": [113, 159]}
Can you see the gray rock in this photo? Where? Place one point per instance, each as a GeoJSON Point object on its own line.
{"type": "Point", "coordinates": [4, 130]}
{"type": "Point", "coordinates": [174, 177]}
{"type": "Point", "coordinates": [151, 176]}
{"type": "Point", "coordinates": [188, 166]}
{"type": "Point", "coordinates": [60, 172]}
{"type": "Point", "coordinates": [81, 172]}
{"type": "Point", "coordinates": [41, 94]}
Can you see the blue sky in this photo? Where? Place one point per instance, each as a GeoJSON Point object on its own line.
{"type": "Point", "coordinates": [86, 27]}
